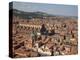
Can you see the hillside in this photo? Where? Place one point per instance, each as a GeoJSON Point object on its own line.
{"type": "Point", "coordinates": [29, 15]}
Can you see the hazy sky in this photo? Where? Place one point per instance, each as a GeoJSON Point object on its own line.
{"type": "Point", "coordinates": [65, 10]}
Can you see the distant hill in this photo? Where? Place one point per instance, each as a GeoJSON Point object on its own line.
{"type": "Point", "coordinates": [38, 14]}
{"type": "Point", "coordinates": [29, 15]}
